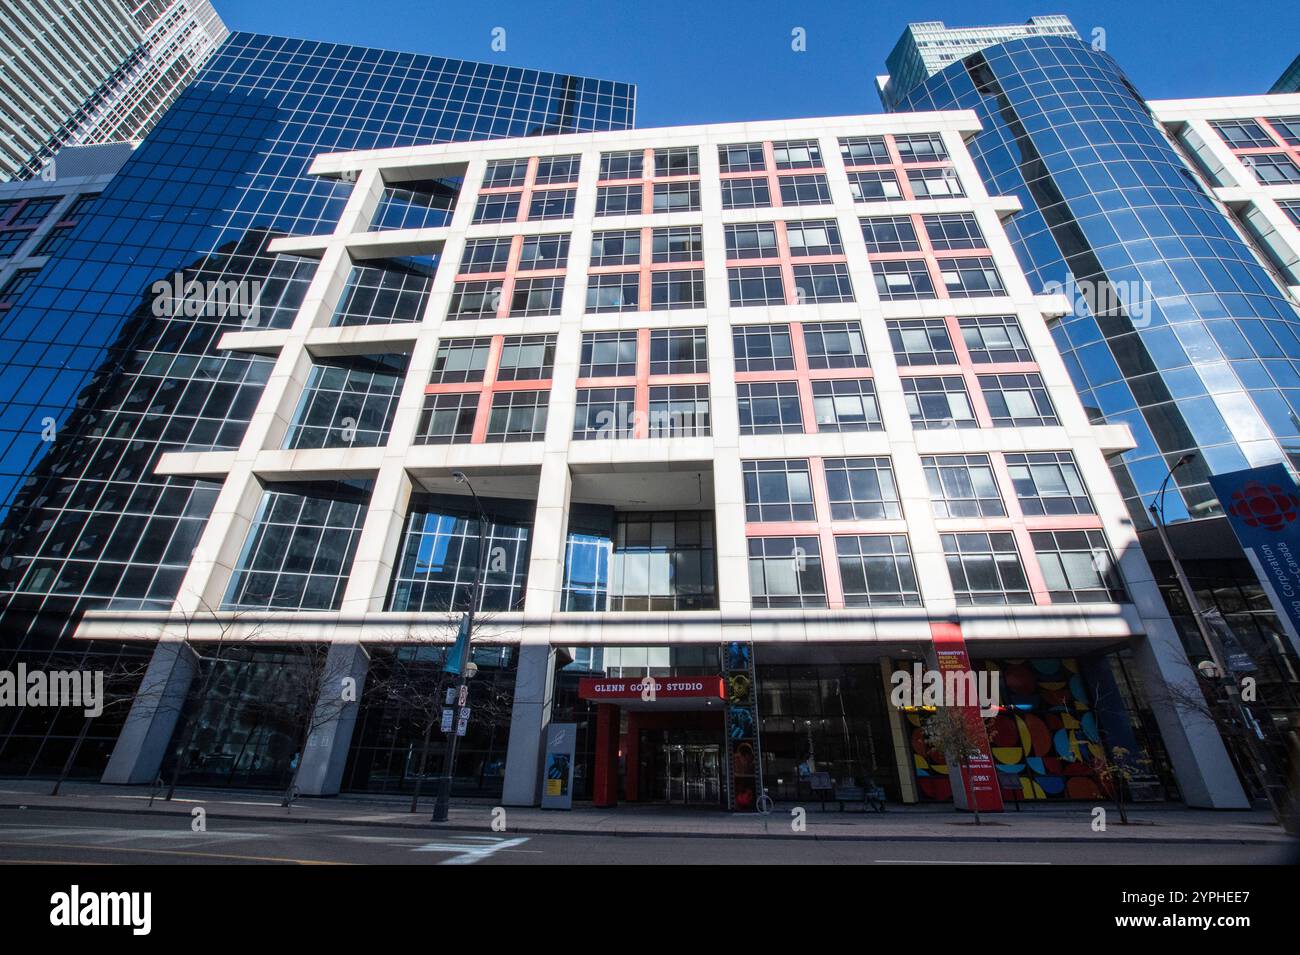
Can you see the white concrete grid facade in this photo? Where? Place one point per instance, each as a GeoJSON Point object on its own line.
{"type": "Point", "coordinates": [1260, 206]}
{"type": "Point", "coordinates": [559, 470]}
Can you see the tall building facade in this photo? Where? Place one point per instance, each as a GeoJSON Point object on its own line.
{"type": "Point", "coordinates": [1289, 81]}
{"type": "Point", "coordinates": [97, 71]}
{"type": "Point", "coordinates": [37, 216]}
{"type": "Point", "coordinates": [1248, 150]}
{"type": "Point", "coordinates": [927, 48]}
{"type": "Point", "coordinates": [111, 354]}
{"type": "Point", "coordinates": [760, 413]}
{"type": "Point", "coordinates": [1181, 327]}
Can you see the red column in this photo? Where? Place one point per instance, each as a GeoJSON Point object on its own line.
{"type": "Point", "coordinates": [604, 790]}
{"type": "Point", "coordinates": [632, 757]}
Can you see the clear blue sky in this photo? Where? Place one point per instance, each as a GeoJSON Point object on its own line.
{"type": "Point", "coordinates": [728, 60]}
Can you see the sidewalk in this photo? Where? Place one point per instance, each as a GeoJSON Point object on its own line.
{"type": "Point", "coordinates": [1061, 822]}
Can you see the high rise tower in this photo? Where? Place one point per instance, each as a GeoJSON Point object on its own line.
{"type": "Point", "coordinates": [1182, 324]}
{"type": "Point", "coordinates": [104, 369]}
{"type": "Point", "coordinates": [97, 71]}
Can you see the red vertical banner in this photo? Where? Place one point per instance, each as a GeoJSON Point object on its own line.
{"type": "Point", "coordinates": [975, 780]}
{"type": "Point", "coordinates": [632, 758]}
{"type": "Point", "coordinates": [604, 790]}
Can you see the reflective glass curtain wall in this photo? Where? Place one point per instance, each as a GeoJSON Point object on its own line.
{"type": "Point", "coordinates": [1178, 329]}
{"type": "Point", "coordinates": [94, 386]}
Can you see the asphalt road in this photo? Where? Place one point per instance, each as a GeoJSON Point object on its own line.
{"type": "Point", "coordinates": [41, 836]}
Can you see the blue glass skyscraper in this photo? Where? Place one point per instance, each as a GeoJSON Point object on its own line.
{"type": "Point", "coordinates": [96, 382]}
{"type": "Point", "coordinates": [1179, 328]}
{"type": "Point", "coordinates": [1289, 81]}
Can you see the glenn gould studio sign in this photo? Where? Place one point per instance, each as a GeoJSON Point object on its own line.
{"type": "Point", "coordinates": [1263, 507]}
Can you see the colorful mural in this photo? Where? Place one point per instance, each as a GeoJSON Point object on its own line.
{"type": "Point", "coordinates": [1045, 736]}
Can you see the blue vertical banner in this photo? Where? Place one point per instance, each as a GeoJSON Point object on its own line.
{"type": "Point", "coordinates": [458, 656]}
{"type": "Point", "coordinates": [744, 754]}
{"type": "Point", "coordinates": [1263, 507]}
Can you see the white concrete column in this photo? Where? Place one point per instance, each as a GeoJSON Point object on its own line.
{"type": "Point", "coordinates": [529, 718]}
{"type": "Point", "coordinates": [549, 535]}
{"type": "Point", "coordinates": [898, 737]}
{"type": "Point", "coordinates": [380, 540]}
{"type": "Point", "coordinates": [1200, 760]}
{"type": "Point", "coordinates": [223, 538]}
{"type": "Point", "coordinates": [730, 543]}
{"type": "Point", "coordinates": [142, 745]}
{"type": "Point", "coordinates": [731, 547]}
{"type": "Point", "coordinates": [348, 662]}
{"type": "Point", "coordinates": [1206, 776]}
{"type": "Point", "coordinates": [335, 717]}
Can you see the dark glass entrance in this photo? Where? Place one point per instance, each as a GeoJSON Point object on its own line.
{"type": "Point", "coordinates": [681, 768]}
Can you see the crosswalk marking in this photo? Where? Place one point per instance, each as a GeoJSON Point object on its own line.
{"type": "Point", "coordinates": [470, 849]}
{"type": "Point", "coordinates": [460, 848]}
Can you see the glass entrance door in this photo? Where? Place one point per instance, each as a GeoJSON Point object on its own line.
{"type": "Point", "coordinates": [673, 759]}
{"type": "Point", "coordinates": [692, 773]}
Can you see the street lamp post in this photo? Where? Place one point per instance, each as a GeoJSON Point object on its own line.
{"type": "Point", "coordinates": [442, 802]}
{"type": "Point", "coordinates": [1157, 509]}
{"type": "Point", "coordinates": [1236, 706]}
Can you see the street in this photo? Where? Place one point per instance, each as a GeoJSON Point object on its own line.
{"type": "Point", "coordinates": [44, 836]}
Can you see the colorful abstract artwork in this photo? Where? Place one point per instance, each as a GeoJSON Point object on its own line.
{"type": "Point", "coordinates": [1045, 738]}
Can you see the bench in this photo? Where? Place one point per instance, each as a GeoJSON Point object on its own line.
{"type": "Point", "coordinates": [822, 787]}
{"type": "Point", "coordinates": [869, 797]}
{"type": "Point", "coordinates": [853, 794]}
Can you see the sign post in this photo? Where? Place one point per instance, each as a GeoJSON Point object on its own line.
{"type": "Point", "coordinates": [557, 783]}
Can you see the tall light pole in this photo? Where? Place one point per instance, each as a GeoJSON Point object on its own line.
{"type": "Point", "coordinates": [1236, 706]}
{"type": "Point", "coordinates": [442, 802]}
{"type": "Point", "coordinates": [1157, 509]}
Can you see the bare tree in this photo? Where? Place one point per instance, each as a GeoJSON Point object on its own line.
{"type": "Point", "coordinates": [304, 695]}
{"type": "Point", "coordinates": [121, 689]}
{"type": "Point", "coordinates": [125, 686]}
{"type": "Point", "coordinates": [211, 666]}
{"type": "Point", "coordinates": [959, 735]}
{"type": "Point", "coordinates": [319, 688]}
{"type": "Point", "coordinates": [412, 679]}
{"type": "Point", "coordinates": [1117, 773]}
{"type": "Point", "coordinates": [1245, 739]}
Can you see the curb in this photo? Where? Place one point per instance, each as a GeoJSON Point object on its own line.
{"type": "Point", "coordinates": [652, 834]}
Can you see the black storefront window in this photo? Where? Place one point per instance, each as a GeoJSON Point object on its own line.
{"type": "Point", "coordinates": [834, 714]}
{"type": "Point", "coordinates": [389, 735]}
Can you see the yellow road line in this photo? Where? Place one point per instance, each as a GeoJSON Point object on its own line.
{"type": "Point", "coordinates": [48, 862]}
{"type": "Point", "coordinates": [174, 852]}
